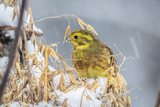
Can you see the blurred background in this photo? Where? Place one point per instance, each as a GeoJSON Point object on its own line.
{"type": "Point", "coordinates": [133, 25]}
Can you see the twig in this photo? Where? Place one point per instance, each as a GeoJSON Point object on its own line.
{"type": "Point", "coordinates": [158, 99]}
{"type": "Point", "coordinates": [13, 51]}
{"type": "Point", "coordinates": [82, 97]}
{"type": "Point", "coordinates": [27, 30]}
{"type": "Point", "coordinates": [29, 72]}
{"type": "Point", "coordinates": [46, 69]}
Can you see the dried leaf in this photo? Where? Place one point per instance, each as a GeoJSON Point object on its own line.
{"type": "Point", "coordinates": [72, 78]}
{"type": "Point", "coordinates": [53, 97]}
{"type": "Point", "coordinates": [12, 2]}
{"type": "Point", "coordinates": [68, 68]}
{"type": "Point", "coordinates": [84, 84]}
{"type": "Point", "coordinates": [119, 81]}
{"type": "Point", "coordinates": [50, 73]}
{"type": "Point", "coordinates": [59, 87]}
{"type": "Point", "coordinates": [88, 97]}
{"type": "Point", "coordinates": [14, 14]}
{"type": "Point", "coordinates": [68, 90]}
{"type": "Point", "coordinates": [41, 79]}
{"type": "Point", "coordinates": [123, 79]}
{"type": "Point", "coordinates": [93, 84]}
{"type": "Point", "coordinates": [96, 86]}
{"type": "Point", "coordinates": [20, 87]}
{"type": "Point", "coordinates": [33, 40]}
{"type": "Point", "coordinates": [119, 100]}
{"type": "Point", "coordinates": [50, 57]}
{"type": "Point", "coordinates": [62, 70]}
{"type": "Point", "coordinates": [1, 1]}
{"type": "Point", "coordinates": [26, 81]}
{"type": "Point", "coordinates": [120, 105]}
{"type": "Point", "coordinates": [128, 101]}
{"type": "Point", "coordinates": [31, 22]}
{"type": "Point", "coordinates": [68, 31]}
{"type": "Point", "coordinates": [6, 3]}
{"type": "Point", "coordinates": [31, 56]}
{"type": "Point", "coordinates": [114, 103]}
{"type": "Point", "coordinates": [46, 54]}
{"type": "Point", "coordinates": [34, 61]}
{"type": "Point", "coordinates": [89, 27]}
{"type": "Point", "coordinates": [24, 104]}
{"type": "Point", "coordinates": [18, 67]}
{"type": "Point", "coordinates": [6, 95]}
{"type": "Point", "coordinates": [75, 88]}
{"type": "Point", "coordinates": [65, 103]}
{"type": "Point", "coordinates": [16, 11]}
{"type": "Point", "coordinates": [29, 11]}
{"type": "Point", "coordinates": [39, 46]}
{"type": "Point", "coordinates": [61, 80]}
{"type": "Point", "coordinates": [39, 62]}
{"type": "Point", "coordinates": [80, 22]}
{"type": "Point", "coordinates": [53, 53]}
{"type": "Point", "coordinates": [61, 58]}
{"type": "Point", "coordinates": [54, 44]}
{"type": "Point", "coordinates": [123, 98]}
{"type": "Point", "coordinates": [50, 95]}
{"type": "Point", "coordinates": [123, 86]}
{"type": "Point", "coordinates": [43, 49]}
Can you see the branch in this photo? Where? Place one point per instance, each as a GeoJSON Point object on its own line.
{"type": "Point", "coordinates": [28, 31]}
{"type": "Point", "coordinates": [13, 51]}
{"type": "Point", "coordinates": [158, 99]}
{"type": "Point", "coordinates": [29, 72]}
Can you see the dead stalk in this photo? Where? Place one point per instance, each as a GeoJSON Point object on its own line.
{"type": "Point", "coordinates": [29, 72]}
{"type": "Point", "coordinates": [46, 68]}
{"type": "Point", "coordinates": [82, 97]}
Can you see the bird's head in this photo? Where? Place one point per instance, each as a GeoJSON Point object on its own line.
{"type": "Point", "coordinates": [82, 39]}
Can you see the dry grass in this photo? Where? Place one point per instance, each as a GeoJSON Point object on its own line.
{"type": "Point", "coordinates": [43, 88]}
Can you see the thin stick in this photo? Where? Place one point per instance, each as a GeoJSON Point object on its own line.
{"type": "Point", "coordinates": [27, 30]}
{"type": "Point", "coordinates": [13, 51]}
{"type": "Point", "coordinates": [46, 69]}
{"type": "Point", "coordinates": [82, 97]}
{"type": "Point", "coordinates": [29, 72]}
{"type": "Point", "coordinates": [158, 99]}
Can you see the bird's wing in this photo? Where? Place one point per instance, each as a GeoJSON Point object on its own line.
{"type": "Point", "coordinates": [113, 61]}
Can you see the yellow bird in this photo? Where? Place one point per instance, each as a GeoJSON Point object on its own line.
{"type": "Point", "coordinates": [90, 57]}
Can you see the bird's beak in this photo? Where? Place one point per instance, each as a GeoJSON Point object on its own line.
{"type": "Point", "coordinates": [68, 39]}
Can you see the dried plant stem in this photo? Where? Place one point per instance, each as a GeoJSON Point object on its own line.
{"type": "Point", "coordinates": [106, 84]}
{"type": "Point", "coordinates": [13, 51]}
{"type": "Point", "coordinates": [46, 68]}
{"type": "Point", "coordinates": [82, 97]}
{"type": "Point", "coordinates": [158, 99]}
{"type": "Point", "coordinates": [29, 72]}
{"type": "Point", "coordinates": [27, 30]}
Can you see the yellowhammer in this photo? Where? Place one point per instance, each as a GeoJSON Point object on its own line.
{"type": "Point", "coordinates": [90, 57]}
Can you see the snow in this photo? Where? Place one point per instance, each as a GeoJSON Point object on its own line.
{"type": "Point", "coordinates": [74, 97]}
{"type": "Point", "coordinates": [3, 62]}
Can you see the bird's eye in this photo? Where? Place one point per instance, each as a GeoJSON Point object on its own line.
{"type": "Point", "coordinates": [75, 37]}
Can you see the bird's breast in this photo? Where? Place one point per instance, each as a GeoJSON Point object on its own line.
{"type": "Point", "coordinates": [90, 65]}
